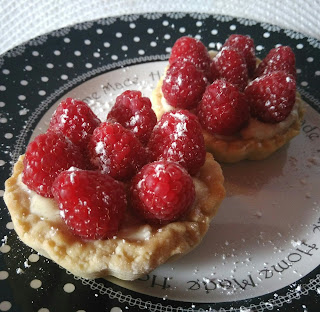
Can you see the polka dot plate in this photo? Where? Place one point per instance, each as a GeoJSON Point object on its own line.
{"type": "Point", "coordinates": [262, 252]}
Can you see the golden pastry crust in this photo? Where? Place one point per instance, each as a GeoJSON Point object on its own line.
{"type": "Point", "coordinates": [137, 249]}
{"type": "Point", "coordinates": [234, 149]}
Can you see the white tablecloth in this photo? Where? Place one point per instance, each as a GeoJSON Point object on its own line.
{"type": "Point", "coordinates": [22, 20]}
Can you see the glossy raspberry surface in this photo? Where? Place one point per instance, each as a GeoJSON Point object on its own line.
{"type": "Point", "coordinates": [116, 151]}
{"type": "Point", "coordinates": [272, 96]}
{"type": "Point", "coordinates": [75, 120]}
{"type": "Point", "coordinates": [46, 156]}
{"type": "Point", "coordinates": [178, 137]}
{"type": "Point", "coordinates": [231, 66]}
{"type": "Point", "coordinates": [193, 50]}
{"type": "Point", "coordinates": [245, 46]}
{"type": "Point", "coordinates": [278, 59]}
{"type": "Point", "coordinates": [223, 109]}
{"type": "Point", "coordinates": [134, 112]}
{"type": "Point", "coordinates": [91, 203]}
{"type": "Point", "coordinates": [183, 85]}
{"type": "Point", "coordinates": [162, 191]}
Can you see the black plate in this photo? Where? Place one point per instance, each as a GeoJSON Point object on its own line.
{"type": "Point", "coordinates": [34, 75]}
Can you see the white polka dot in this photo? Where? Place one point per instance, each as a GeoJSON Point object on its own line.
{"type": "Point", "coordinates": [153, 43]}
{"type": "Point", "coordinates": [96, 54]}
{"type": "Point", "coordinates": [198, 36]}
{"type": "Point", "coordinates": [23, 82]}
{"type": "Point", "coordinates": [304, 83]}
{"type": "Point", "coordinates": [57, 52]}
{"type": "Point", "coordinates": [317, 74]}
{"type": "Point", "coordinates": [35, 284]}
{"type": "Point", "coordinates": [50, 65]}
{"type": "Point", "coordinates": [233, 27]}
{"type": "Point", "coordinates": [3, 88]}
{"type": "Point", "coordinates": [81, 311]}
{"type": "Point", "coordinates": [214, 31]}
{"type": "Point", "coordinates": [2, 104]}
{"type": "Point", "coordinates": [5, 248]}
{"type": "Point", "coordinates": [87, 42]}
{"type": "Point", "coordinates": [136, 39]}
{"type": "Point", "coordinates": [42, 92]}
{"type": "Point", "coordinates": [6, 71]}
{"type": "Point", "coordinates": [77, 53]}
{"type": "Point", "coordinates": [198, 23]}
{"type": "Point", "coordinates": [88, 65]}
{"type": "Point", "coordinates": [21, 97]}
{"type": "Point", "coordinates": [132, 25]}
{"type": "Point", "coordinates": [64, 77]}
{"type": "Point", "coordinates": [114, 57]}
{"type": "Point", "coordinates": [8, 135]}
{"type": "Point", "coordinates": [10, 226]}
{"type": "Point", "coordinates": [35, 53]}
{"type": "Point", "coordinates": [3, 120]}
{"type": "Point", "coordinates": [5, 306]}
{"type": "Point", "coordinates": [310, 59]}
{"type": "Point", "coordinates": [69, 288]}
{"type": "Point", "coordinates": [182, 29]}
{"type": "Point", "coordinates": [3, 275]}
{"type": "Point", "coordinates": [1, 193]}
{"type": "Point", "coordinates": [167, 36]}
{"type": "Point", "coordinates": [28, 68]}
{"type": "Point", "coordinates": [299, 46]}
{"type": "Point", "coordinates": [106, 45]}
{"type": "Point", "coordinates": [168, 49]}
{"type": "Point", "coordinates": [165, 23]}
{"type": "Point", "coordinates": [259, 47]}
{"type": "Point", "coordinates": [34, 258]}
{"type": "Point", "coordinates": [150, 31]}
{"type": "Point", "coordinates": [67, 40]}
{"type": "Point", "coordinates": [124, 48]}
{"type": "Point", "coordinates": [44, 79]}
{"type": "Point", "coordinates": [99, 31]}
{"type": "Point", "coordinates": [115, 309]}
{"type": "Point", "coordinates": [141, 52]}
{"type": "Point", "coordinates": [266, 35]}
{"type": "Point", "coordinates": [298, 70]}
{"type": "Point", "coordinates": [118, 34]}
{"type": "Point", "coordinates": [43, 310]}
{"type": "Point", "coordinates": [69, 64]}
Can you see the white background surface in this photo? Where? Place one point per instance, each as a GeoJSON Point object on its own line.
{"type": "Point", "coordinates": [22, 20]}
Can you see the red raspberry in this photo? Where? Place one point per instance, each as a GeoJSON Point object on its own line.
{"type": "Point", "coordinates": [281, 58]}
{"type": "Point", "coordinates": [183, 85]}
{"type": "Point", "coordinates": [223, 109]}
{"type": "Point", "coordinates": [231, 66]}
{"type": "Point", "coordinates": [75, 120]}
{"type": "Point", "coordinates": [178, 137]}
{"type": "Point", "coordinates": [244, 45]}
{"type": "Point", "coordinates": [134, 112]}
{"type": "Point", "coordinates": [91, 203]}
{"type": "Point", "coordinates": [46, 156]}
{"type": "Point", "coordinates": [162, 191]}
{"type": "Point", "coordinates": [116, 151]}
{"type": "Point", "coordinates": [192, 50]}
{"type": "Point", "coordinates": [272, 96]}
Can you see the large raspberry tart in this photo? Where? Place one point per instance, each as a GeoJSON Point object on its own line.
{"type": "Point", "coordinates": [247, 108]}
{"type": "Point", "coordinates": [98, 213]}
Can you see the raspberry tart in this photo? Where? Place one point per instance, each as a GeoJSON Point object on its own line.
{"type": "Point", "coordinates": [248, 108]}
{"type": "Point", "coordinates": [115, 201]}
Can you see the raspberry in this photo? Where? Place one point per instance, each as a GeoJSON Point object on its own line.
{"type": "Point", "coordinates": [91, 203]}
{"type": "Point", "coordinates": [162, 191]}
{"type": "Point", "coordinates": [46, 156]}
{"type": "Point", "coordinates": [193, 50]}
{"type": "Point", "coordinates": [178, 137]}
{"type": "Point", "coordinates": [231, 66]}
{"type": "Point", "coordinates": [183, 85]}
{"type": "Point", "coordinates": [116, 151]}
{"type": "Point", "coordinates": [281, 58]}
{"type": "Point", "coordinates": [272, 96]}
{"type": "Point", "coordinates": [223, 109]}
{"type": "Point", "coordinates": [244, 45]}
{"type": "Point", "coordinates": [75, 120]}
{"type": "Point", "coordinates": [134, 112]}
